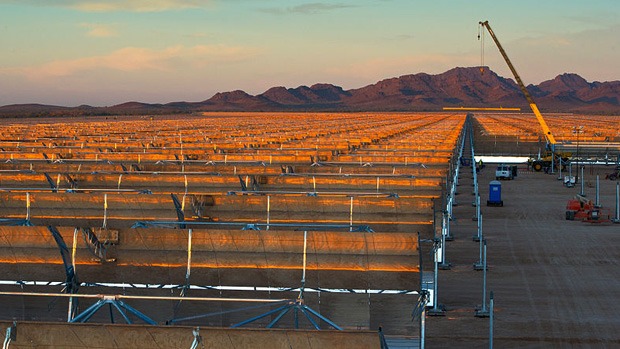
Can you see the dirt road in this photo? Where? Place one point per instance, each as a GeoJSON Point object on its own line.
{"type": "Point", "coordinates": [556, 283]}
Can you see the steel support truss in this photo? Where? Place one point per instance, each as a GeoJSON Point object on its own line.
{"type": "Point", "coordinates": [122, 307]}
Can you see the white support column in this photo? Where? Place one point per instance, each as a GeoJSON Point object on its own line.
{"type": "Point", "coordinates": [484, 312]}
{"type": "Point", "coordinates": [351, 215]}
{"type": "Point", "coordinates": [479, 265]}
{"type": "Point", "coordinates": [27, 206]}
{"type": "Point", "coordinates": [582, 181]}
{"type": "Point", "coordinates": [268, 211]}
{"type": "Point", "coordinates": [303, 273]}
{"type": "Point", "coordinates": [189, 256]}
{"type": "Point", "coordinates": [105, 211]}
{"type": "Point", "coordinates": [597, 202]}
{"type": "Point", "coordinates": [491, 321]}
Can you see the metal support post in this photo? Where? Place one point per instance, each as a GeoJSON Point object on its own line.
{"type": "Point", "coordinates": [197, 338]}
{"type": "Point", "coordinates": [491, 321]}
{"type": "Point", "coordinates": [189, 263]}
{"type": "Point", "coordinates": [449, 236]}
{"type": "Point", "coordinates": [351, 215]}
{"type": "Point", "coordinates": [478, 219]}
{"type": "Point", "coordinates": [27, 207]}
{"type": "Point", "coordinates": [597, 202]}
{"type": "Point", "coordinates": [72, 307]}
{"type": "Point", "coordinates": [11, 335]}
{"type": "Point", "coordinates": [480, 264]}
{"type": "Point", "coordinates": [476, 203]}
{"type": "Point", "coordinates": [268, 211]}
{"type": "Point", "coordinates": [445, 226]}
{"type": "Point", "coordinates": [578, 130]}
{"type": "Point", "coordinates": [476, 191]}
{"type": "Point", "coordinates": [484, 312]}
{"type": "Point", "coordinates": [437, 310]}
{"type": "Point", "coordinates": [617, 219]}
{"type": "Point", "coordinates": [582, 192]}
{"type": "Point", "coordinates": [423, 327]}
{"type": "Point", "coordinates": [304, 264]}
{"type": "Point", "coordinates": [105, 211]}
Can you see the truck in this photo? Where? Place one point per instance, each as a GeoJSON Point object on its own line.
{"type": "Point", "coordinates": [505, 172]}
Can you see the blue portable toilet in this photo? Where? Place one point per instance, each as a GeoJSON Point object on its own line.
{"type": "Point", "coordinates": [495, 194]}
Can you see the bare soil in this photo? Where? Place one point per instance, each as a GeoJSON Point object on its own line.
{"type": "Point", "coordinates": [556, 282]}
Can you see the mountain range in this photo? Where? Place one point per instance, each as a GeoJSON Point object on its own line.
{"type": "Point", "coordinates": [458, 87]}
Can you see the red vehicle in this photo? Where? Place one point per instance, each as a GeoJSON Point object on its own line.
{"type": "Point", "coordinates": [584, 210]}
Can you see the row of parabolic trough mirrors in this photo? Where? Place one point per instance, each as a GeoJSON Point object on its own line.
{"type": "Point", "coordinates": [289, 220]}
{"type": "Point", "coordinates": [218, 208]}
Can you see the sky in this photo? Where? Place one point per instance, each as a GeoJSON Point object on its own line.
{"type": "Point", "coordinates": [101, 53]}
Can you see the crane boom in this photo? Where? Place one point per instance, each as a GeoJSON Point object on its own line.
{"type": "Point", "coordinates": [547, 132]}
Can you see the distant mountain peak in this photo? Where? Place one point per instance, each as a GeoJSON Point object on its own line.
{"type": "Point", "coordinates": [231, 96]}
{"type": "Point", "coordinates": [459, 86]}
{"type": "Point", "coordinates": [565, 82]}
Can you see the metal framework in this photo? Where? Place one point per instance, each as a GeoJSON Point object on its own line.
{"type": "Point", "coordinates": [71, 284]}
{"type": "Point", "coordinates": [120, 306]}
{"type": "Point", "coordinates": [51, 183]}
{"type": "Point", "coordinates": [96, 247]}
{"type": "Point", "coordinates": [270, 289]}
{"type": "Point", "coordinates": [179, 209]}
{"type": "Point", "coordinates": [16, 222]}
{"type": "Point", "coordinates": [297, 306]}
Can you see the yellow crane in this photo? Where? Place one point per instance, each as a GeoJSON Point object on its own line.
{"type": "Point", "coordinates": [551, 142]}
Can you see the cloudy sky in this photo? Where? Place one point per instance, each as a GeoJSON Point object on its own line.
{"type": "Point", "coordinates": [72, 52]}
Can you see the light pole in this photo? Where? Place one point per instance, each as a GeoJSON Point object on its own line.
{"type": "Point", "coordinates": [577, 130]}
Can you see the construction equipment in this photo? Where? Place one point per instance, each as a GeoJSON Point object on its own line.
{"type": "Point", "coordinates": [584, 210]}
{"type": "Point", "coordinates": [613, 175]}
{"type": "Point", "coordinates": [552, 157]}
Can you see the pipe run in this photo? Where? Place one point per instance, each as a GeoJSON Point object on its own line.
{"type": "Point", "coordinates": [160, 298]}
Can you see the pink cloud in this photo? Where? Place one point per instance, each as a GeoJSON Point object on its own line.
{"type": "Point", "coordinates": [134, 59]}
{"type": "Point", "coordinates": [134, 5]}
